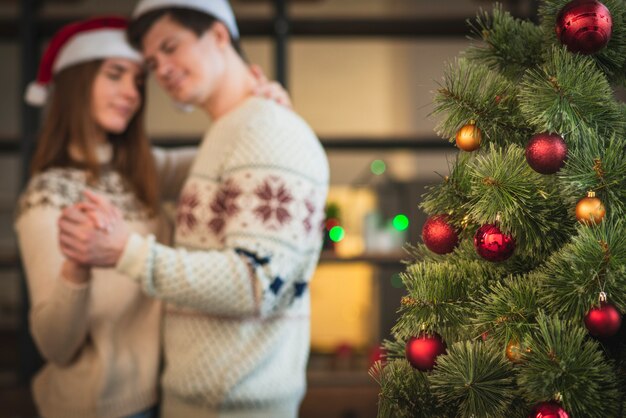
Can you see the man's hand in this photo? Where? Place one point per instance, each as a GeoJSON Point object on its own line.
{"type": "Point", "coordinates": [93, 232]}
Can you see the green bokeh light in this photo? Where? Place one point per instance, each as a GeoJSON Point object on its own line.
{"type": "Point", "coordinates": [336, 233]}
{"type": "Point", "coordinates": [396, 281]}
{"type": "Point", "coordinates": [378, 167]}
{"type": "Point", "coordinates": [401, 222]}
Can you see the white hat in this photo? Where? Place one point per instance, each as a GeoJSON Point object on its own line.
{"type": "Point", "coordinates": [75, 43]}
{"type": "Point", "coordinates": [220, 9]}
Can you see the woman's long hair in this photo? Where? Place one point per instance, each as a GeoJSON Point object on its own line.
{"type": "Point", "coordinates": [69, 119]}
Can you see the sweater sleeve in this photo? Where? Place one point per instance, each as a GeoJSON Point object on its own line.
{"type": "Point", "coordinates": [173, 168]}
{"type": "Point", "coordinates": [58, 313]}
{"type": "Point", "coordinates": [266, 218]}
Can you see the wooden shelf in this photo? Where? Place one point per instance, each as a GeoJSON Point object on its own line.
{"type": "Point", "coordinates": [11, 145]}
{"type": "Point", "coordinates": [9, 260]}
{"type": "Point", "coordinates": [298, 27]}
{"type": "Point", "coordinates": [393, 259]}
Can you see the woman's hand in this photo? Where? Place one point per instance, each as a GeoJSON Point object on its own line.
{"type": "Point", "coordinates": [74, 272]}
{"type": "Point", "coordinates": [269, 89]}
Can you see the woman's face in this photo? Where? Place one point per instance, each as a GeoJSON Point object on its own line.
{"type": "Point", "coordinates": [115, 95]}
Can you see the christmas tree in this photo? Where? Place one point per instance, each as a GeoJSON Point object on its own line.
{"type": "Point", "coordinates": [515, 299]}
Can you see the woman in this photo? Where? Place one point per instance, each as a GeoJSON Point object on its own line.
{"type": "Point", "coordinates": [98, 332]}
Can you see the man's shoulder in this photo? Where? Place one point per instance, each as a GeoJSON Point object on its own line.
{"type": "Point", "coordinates": [261, 115]}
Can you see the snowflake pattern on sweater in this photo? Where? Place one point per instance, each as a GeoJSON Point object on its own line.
{"type": "Point", "coordinates": [61, 187]}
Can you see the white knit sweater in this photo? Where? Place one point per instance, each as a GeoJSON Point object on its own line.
{"type": "Point", "coordinates": [248, 237]}
{"type": "Point", "coordinates": [101, 339]}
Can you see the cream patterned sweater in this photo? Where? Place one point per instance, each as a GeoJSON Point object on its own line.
{"type": "Point", "coordinates": [248, 238]}
{"type": "Point", "coordinates": [101, 339]}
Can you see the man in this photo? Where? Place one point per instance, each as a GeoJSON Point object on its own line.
{"type": "Point", "coordinates": [248, 227]}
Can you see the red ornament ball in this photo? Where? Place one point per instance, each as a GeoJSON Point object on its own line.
{"type": "Point", "coordinates": [603, 321]}
{"type": "Point", "coordinates": [438, 235]}
{"type": "Point", "coordinates": [377, 353]}
{"type": "Point", "coordinates": [546, 153]}
{"type": "Point", "coordinates": [422, 351]}
{"type": "Point", "coordinates": [548, 410]}
{"type": "Point", "coordinates": [493, 244]}
{"type": "Point", "coordinates": [584, 26]}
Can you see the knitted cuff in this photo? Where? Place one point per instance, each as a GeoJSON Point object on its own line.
{"type": "Point", "coordinates": [133, 259]}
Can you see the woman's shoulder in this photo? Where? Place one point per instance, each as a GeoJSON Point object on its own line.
{"type": "Point", "coordinates": [53, 188]}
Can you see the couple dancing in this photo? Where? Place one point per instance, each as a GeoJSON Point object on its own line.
{"type": "Point", "coordinates": [213, 321]}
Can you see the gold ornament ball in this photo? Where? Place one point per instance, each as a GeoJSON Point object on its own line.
{"type": "Point", "coordinates": [514, 351]}
{"type": "Point", "coordinates": [590, 210]}
{"type": "Point", "coordinates": [468, 137]}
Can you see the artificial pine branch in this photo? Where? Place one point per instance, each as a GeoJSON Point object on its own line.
{"type": "Point", "coordinates": [596, 163]}
{"type": "Point", "coordinates": [568, 92]}
{"type": "Point", "coordinates": [563, 361]}
{"type": "Point", "coordinates": [593, 262]}
{"type": "Point", "coordinates": [509, 45]}
{"type": "Point", "coordinates": [612, 58]}
{"type": "Point", "coordinates": [474, 92]}
{"type": "Point", "coordinates": [405, 392]}
{"type": "Point", "coordinates": [528, 203]}
{"type": "Point", "coordinates": [506, 310]}
{"type": "Point", "coordinates": [438, 298]}
{"type": "Point", "coordinates": [475, 378]}
{"type": "Point", "coordinates": [448, 196]}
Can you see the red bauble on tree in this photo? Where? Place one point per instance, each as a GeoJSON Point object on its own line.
{"type": "Point", "coordinates": [493, 244]}
{"type": "Point", "coordinates": [584, 26]}
{"type": "Point", "coordinates": [422, 351]}
{"type": "Point", "coordinates": [438, 235]}
{"type": "Point", "coordinates": [546, 153]}
{"type": "Point", "coordinates": [603, 321]}
{"type": "Point", "coordinates": [548, 410]}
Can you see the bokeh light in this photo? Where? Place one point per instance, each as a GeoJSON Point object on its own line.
{"type": "Point", "coordinates": [336, 233]}
{"type": "Point", "coordinates": [396, 281]}
{"type": "Point", "coordinates": [400, 222]}
{"type": "Point", "coordinates": [378, 167]}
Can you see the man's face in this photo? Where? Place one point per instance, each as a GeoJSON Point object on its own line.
{"type": "Point", "coordinates": [188, 67]}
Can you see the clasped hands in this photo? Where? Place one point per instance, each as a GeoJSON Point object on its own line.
{"type": "Point", "coordinates": [93, 232]}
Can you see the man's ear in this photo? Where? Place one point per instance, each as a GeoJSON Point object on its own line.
{"type": "Point", "coordinates": [221, 34]}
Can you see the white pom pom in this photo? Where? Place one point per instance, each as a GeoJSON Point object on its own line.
{"type": "Point", "coordinates": [36, 94]}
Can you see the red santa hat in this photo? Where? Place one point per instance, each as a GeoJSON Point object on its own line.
{"type": "Point", "coordinates": [79, 42]}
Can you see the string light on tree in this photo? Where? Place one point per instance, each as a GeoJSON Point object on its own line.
{"type": "Point", "coordinates": [603, 321]}
{"type": "Point", "coordinates": [468, 137]}
{"type": "Point", "coordinates": [546, 153]}
{"type": "Point", "coordinates": [492, 244]}
{"type": "Point", "coordinates": [584, 26]}
{"type": "Point", "coordinates": [439, 236]}
{"type": "Point", "coordinates": [422, 351]}
{"type": "Point", "coordinates": [590, 210]}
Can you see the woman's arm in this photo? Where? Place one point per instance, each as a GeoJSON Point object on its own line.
{"type": "Point", "coordinates": [58, 289]}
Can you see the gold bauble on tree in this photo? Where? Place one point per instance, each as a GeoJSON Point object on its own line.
{"type": "Point", "coordinates": [590, 210]}
{"type": "Point", "coordinates": [514, 351]}
{"type": "Point", "coordinates": [468, 137]}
